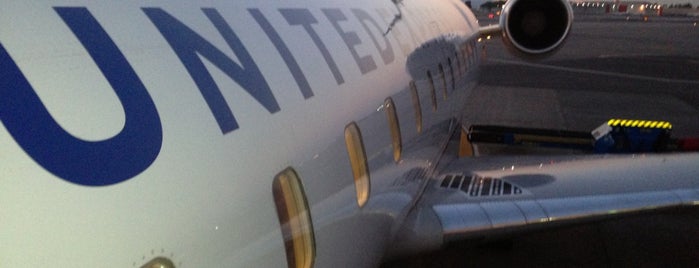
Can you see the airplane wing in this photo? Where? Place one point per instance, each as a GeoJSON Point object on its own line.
{"type": "Point", "coordinates": [499, 196]}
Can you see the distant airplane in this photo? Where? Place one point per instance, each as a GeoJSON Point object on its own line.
{"type": "Point", "coordinates": [273, 134]}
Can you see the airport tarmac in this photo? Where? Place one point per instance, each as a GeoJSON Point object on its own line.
{"type": "Point", "coordinates": [607, 69]}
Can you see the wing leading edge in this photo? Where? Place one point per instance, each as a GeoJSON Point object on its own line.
{"type": "Point", "coordinates": [500, 196]}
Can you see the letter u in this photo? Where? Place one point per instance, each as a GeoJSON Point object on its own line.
{"type": "Point", "coordinates": [89, 163]}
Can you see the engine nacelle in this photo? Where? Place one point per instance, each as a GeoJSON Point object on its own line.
{"type": "Point", "coordinates": [535, 28]}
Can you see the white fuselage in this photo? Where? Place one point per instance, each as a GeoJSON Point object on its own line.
{"type": "Point", "coordinates": [238, 92]}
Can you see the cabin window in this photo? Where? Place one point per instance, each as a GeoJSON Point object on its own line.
{"type": "Point", "coordinates": [416, 106]}
{"type": "Point", "coordinates": [294, 219]}
{"type": "Point", "coordinates": [433, 94]}
{"type": "Point", "coordinates": [451, 73]}
{"type": "Point", "coordinates": [470, 53]}
{"type": "Point", "coordinates": [458, 63]}
{"type": "Point", "coordinates": [475, 52]}
{"type": "Point", "coordinates": [159, 262]}
{"type": "Point", "coordinates": [464, 56]}
{"type": "Point", "coordinates": [467, 56]}
{"type": "Point", "coordinates": [358, 161]}
{"type": "Point", "coordinates": [394, 126]}
{"type": "Point", "coordinates": [442, 77]}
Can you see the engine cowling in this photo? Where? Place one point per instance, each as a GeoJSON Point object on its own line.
{"type": "Point", "coordinates": [535, 28]}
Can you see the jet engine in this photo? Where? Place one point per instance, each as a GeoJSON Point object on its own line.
{"type": "Point", "coordinates": [535, 28]}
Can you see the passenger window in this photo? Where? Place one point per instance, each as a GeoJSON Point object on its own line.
{"type": "Point", "coordinates": [472, 52]}
{"type": "Point", "coordinates": [458, 63]}
{"type": "Point", "coordinates": [358, 161]}
{"type": "Point", "coordinates": [442, 77]}
{"type": "Point", "coordinates": [159, 262]}
{"type": "Point", "coordinates": [394, 126]}
{"type": "Point", "coordinates": [294, 219]}
{"type": "Point", "coordinates": [416, 106]}
{"type": "Point", "coordinates": [464, 56]}
{"type": "Point", "coordinates": [433, 94]}
{"type": "Point", "coordinates": [451, 73]}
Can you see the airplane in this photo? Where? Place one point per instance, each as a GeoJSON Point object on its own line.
{"type": "Point", "coordinates": [277, 134]}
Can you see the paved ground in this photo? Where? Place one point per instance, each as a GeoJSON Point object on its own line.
{"type": "Point", "coordinates": [608, 68]}
{"type": "Point", "coordinates": [667, 239]}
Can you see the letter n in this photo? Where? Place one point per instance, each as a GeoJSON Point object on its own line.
{"type": "Point", "coordinates": [190, 46]}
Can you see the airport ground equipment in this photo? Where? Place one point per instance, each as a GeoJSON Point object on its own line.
{"type": "Point", "coordinates": [613, 136]}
